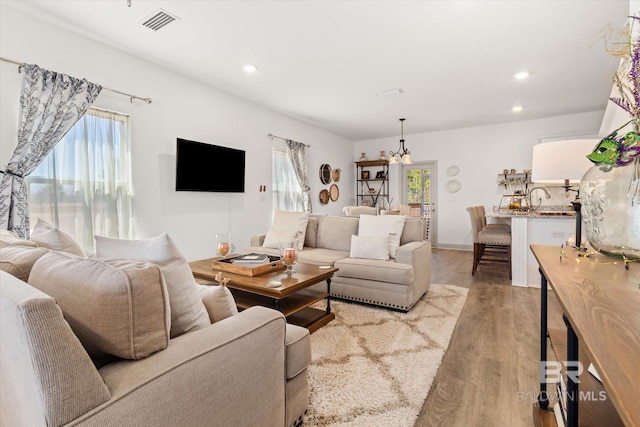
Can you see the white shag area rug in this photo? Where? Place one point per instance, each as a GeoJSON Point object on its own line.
{"type": "Point", "coordinates": [372, 366]}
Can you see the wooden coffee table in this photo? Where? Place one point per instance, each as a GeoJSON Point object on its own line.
{"type": "Point", "coordinates": [293, 298]}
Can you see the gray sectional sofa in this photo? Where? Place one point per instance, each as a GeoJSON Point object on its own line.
{"type": "Point", "coordinates": [396, 283]}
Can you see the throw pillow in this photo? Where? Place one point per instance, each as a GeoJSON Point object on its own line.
{"type": "Point", "coordinates": [334, 232]}
{"type": "Point", "coordinates": [115, 307]}
{"type": "Point", "coordinates": [18, 260]}
{"type": "Point", "coordinates": [273, 237]}
{"type": "Point", "coordinates": [7, 238]}
{"type": "Point", "coordinates": [370, 247]}
{"type": "Point", "coordinates": [187, 310]}
{"type": "Point", "coordinates": [376, 225]}
{"type": "Point", "coordinates": [292, 221]}
{"type": "Point", "coordinates": [47, 236]}
{"type": "Point", "coordinates": [219, 302]}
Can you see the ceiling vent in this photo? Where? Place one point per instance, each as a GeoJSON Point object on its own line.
{"type": "Point", "coordinates": [158, 20]}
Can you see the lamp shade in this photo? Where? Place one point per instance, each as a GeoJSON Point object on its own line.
{"type": "Point", "coordinates": [558, 161]}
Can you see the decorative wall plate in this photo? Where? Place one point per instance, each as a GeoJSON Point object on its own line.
{"type": "Point", "coordinates": [453, 170]}
{"type": "Point", "coordinates": [336, 175]}
{"type": "Point", "coordinates": [325, 173]}
{"type": "Point", "coordinates": [453, 186]}
{"type": "Point", "coordinates": [334, 193]}
{"type": "Point", "coordinates": [324, 197]}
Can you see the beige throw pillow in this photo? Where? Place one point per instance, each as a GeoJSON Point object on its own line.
{"type": "Point", "coordinates": [292, 221]}
{"type": "Point", "coordinates": [370, 247]}
{"type": "Point", "coordinates": [115, 307]}
{"type": "Point", "coordinates": [219, 302]}
{"type": "Point", "coordinates": [47, 236]}
{"type": "Point", "coordinates": [273, 237]}
{"type": "Point", "coordinates": [7, 238]}
{"type": "Point", "coordinates": [187, 310]}
{"type": "Point", "coordinates": [18, 260]}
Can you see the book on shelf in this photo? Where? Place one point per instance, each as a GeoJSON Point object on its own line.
{"type": "Point", "coordinates": [558, 413]}
{"type": "Point", "coordinates": [562, 397]}
{"type": "Point", "coordinates": [252, 259]}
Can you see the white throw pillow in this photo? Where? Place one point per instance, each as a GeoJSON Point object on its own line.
{"type": "Point", "coordinates": [187, 310]}
{"type": "Point", "coordinates": [292, 221]}
{"type": "Point", "coordinates": [219, 302]}
{"type": "Point", "coordinates": [376, 225]}
{"type": "Point", "coordinates": [47, 236]}
{"type": "Point", "coordinates": [273, 237]}
{"type": "Point", "coordinates": [370, 247]}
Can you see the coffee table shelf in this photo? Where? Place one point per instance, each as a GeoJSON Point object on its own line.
{"type": "Point", "coordinates": [293, 299]}
{"type": "Point", "coordinates": [287, 306]}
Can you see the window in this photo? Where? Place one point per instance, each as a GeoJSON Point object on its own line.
{"type": "Point", "coordinates": [84, 185]}
{"type": "Point", "coordinates": [287, 193]}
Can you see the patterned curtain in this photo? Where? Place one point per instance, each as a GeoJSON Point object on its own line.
{"type": "Point", "coordinates": [296, 153]}
{"type": "Point", "coordinates": [50, 104]}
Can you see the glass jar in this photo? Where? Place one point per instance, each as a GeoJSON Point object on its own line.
{"type": "Point", "coordinates": [224, 245]}
{"type": "Point", "coordinates": [610, 197]}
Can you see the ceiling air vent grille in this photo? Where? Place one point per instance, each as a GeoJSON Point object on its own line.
{"type": "Point", "coordinates": [158, 20]}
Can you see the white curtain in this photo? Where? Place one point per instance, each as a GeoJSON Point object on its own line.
{"type": "Point", "coordinates": [50, 103]}
{"type": "Point", "coordinates": [84, 185]}
{"type": "Point", "coordinates": [287, 193]}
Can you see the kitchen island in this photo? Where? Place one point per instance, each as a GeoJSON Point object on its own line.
{"type": "Point", "coordinates": [541, 227]}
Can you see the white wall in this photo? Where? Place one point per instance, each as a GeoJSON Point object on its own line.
{"type": "Point", "coordinates": [181, 108]}
{"type": "Point", "coordinates": [480, 153]}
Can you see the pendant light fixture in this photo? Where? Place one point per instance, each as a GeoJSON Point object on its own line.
{"type": "Point", "coordinates": [402, 153]}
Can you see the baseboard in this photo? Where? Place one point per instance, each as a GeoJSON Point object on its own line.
{"type": "Point", "coordinates": [455, 247]}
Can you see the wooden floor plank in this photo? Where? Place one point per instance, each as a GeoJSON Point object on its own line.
{"type": "Point", "coordinates": [489, 374]}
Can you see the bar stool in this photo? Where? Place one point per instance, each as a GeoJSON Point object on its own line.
{"type": "Point", "coordinates": [482, 213]}
{"type": "Point", "coordinates": [491, 243]}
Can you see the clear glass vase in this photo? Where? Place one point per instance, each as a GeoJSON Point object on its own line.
{"type": "Point", "coordinates": [610, 197]}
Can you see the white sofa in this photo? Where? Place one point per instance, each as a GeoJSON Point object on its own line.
{"type": "Point", "coordinates": [215, 375]}
{"type": "Point", "coordinates": [396, 283]}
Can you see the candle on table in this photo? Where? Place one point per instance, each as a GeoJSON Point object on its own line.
{"type": "Point", "coordinates": [289, 255]}
{"type": "Point", "coordinates": [223, 248]}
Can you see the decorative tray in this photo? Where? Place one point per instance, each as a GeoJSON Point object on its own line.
{"type": "Point", "coordinates": [275, 263]}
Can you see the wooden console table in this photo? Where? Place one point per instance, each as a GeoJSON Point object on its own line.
{"type": "Point", "coordinates": [601, 304]}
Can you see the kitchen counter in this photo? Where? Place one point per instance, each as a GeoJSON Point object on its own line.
{"type": "Point", "coordinates": [535, 214]}
{"type": "Point", "coordinates": [543, 227]}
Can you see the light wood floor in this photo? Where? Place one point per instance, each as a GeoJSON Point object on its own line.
{"type": "Point", "coordinates": [489, 374]}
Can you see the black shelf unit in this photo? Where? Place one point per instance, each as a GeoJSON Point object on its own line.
{"type": "Point", "coordinates": [372, 189]}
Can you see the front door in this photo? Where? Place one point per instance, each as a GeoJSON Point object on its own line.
{"type": "Point", "coordinates": [419, 184]}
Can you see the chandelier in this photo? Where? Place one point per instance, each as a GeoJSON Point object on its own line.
{"type": "Point", "coordinates": [402, 153]}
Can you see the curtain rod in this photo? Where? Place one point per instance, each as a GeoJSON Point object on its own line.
{"type": "Point", "coordinates": [131, 97]}
{"type": "Point", "coordinates": [270, 135]}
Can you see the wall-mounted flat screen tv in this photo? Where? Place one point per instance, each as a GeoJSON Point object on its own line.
{"type": "Point", "coordinates": [210, 168]}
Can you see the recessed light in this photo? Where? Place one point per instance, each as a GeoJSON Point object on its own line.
{"type": "Point", "coordinates": [250, 68]}
{"type": "Point", "coordinates": [521, 75]}
{"type": "Point", "coordinates": [517, 108]}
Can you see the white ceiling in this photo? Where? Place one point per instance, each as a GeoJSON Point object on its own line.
{"type": "Point", "coordinates": [324, 61]}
